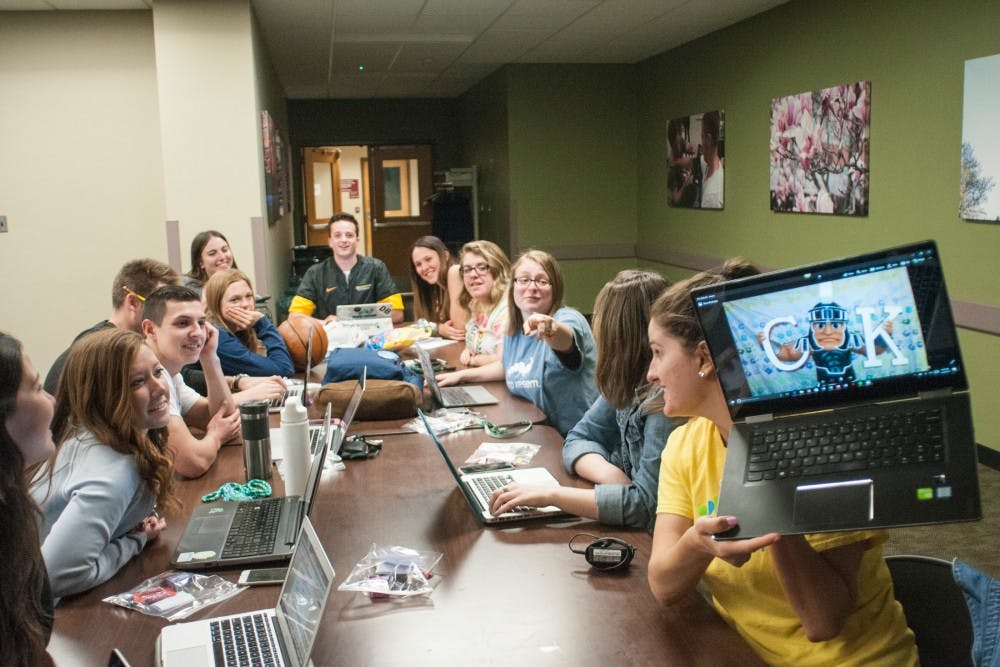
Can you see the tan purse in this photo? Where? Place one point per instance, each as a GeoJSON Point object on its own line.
{"type": "Point", "coordinates": [382, 400]}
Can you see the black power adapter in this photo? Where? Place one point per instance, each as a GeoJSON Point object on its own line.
{"type": "Point", "coordinates": [605, 553]}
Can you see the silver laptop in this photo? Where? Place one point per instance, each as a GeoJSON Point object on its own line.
{"type": "Point", "coordinates": [452, 397]}
{"type": "Point", "coordinates": [364, 311]}
{"type": "Point", "coordinates": [477, 487]}
{"type": "Point", "coordinates": [294, 390]}
{"type": "Point", "coordinates": [848, 394]}
{"type": "Point", "coordinates": [280, 636]}
{"type": "Point", "coordinates": [331, 432]}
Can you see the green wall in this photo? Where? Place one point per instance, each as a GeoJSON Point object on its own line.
{"type": "Point", "coordinates": [913, 53]}
{"type": "Point", "coordinates": [484, 133]}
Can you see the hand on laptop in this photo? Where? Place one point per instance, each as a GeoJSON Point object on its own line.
{"type": "Point", "coordinates": [515, 495]}
{"type": "Point", "coordinates": [734, 552]}
{"type": "Point", "coordinates": [260, 389]}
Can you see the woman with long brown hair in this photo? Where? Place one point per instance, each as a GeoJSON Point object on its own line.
{"type": "Point", "coordinates": [25, 441]}
{"type": "Point", "coordinates": [437, 282]}
{"type": "Point", "coordinates": [100, 493]}
{"type": "Point", "coordinates": [210, 253]}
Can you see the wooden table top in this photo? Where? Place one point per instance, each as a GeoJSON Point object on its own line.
{"type": "Point", "coordinates": [503, 595]}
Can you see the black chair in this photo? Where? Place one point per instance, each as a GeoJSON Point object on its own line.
{"type": "Point", "coordinates": [935, 609]}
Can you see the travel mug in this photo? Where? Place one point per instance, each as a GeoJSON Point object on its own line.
{"type": "Point", "coordinates": [256, 439]}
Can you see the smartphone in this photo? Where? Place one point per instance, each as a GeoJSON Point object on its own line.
{"type": "Point", "coordinates": [263, 577]}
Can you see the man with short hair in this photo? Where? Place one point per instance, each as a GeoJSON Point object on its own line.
{"type": "Point", "coordinates": [347, 278]}
{"type": "Point", "coordinates": [134, 281]}
{"type": "Point", "coordinates": [176, 329]}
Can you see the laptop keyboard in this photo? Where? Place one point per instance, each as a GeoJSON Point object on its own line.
{"type": "Point", "coordinates": [486, 485]}
{"type": "Point", "coordinates": [780, 450]}
{"type": "Point", "coordinates": [254, 528]}
{"type": "Point", "coordinates": [315, 439]}
{"type": "Point", "coordinates": [456, 395]}
{"type": "Point", "coordinates": [244, 640]}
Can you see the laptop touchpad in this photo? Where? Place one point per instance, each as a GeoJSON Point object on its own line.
{"type": "Point", "coordinates": [847, 504]}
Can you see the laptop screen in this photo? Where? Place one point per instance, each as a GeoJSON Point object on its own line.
{"type": "Point", "coordinates": [303, 597]}
{"type": "Point", "coordinates": [870, 327]}
{"type": "Point", "coordinates": [427, 366]}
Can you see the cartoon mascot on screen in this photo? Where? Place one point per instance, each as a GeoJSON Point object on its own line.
{"type": "Point", "coordinates": [830, 343]}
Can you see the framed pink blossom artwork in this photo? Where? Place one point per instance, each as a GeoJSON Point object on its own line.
{"type": "Point", "coordinates": [696, 154]}
{"type": "Point", "coordinates": [819, 151]}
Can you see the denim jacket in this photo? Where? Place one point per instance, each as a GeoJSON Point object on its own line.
{"type": "Point", "coordinates": [632, 439]}
{"type": "Point", "coordinates": [982, 595]}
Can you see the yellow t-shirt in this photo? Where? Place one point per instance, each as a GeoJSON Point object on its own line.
{"type": "Point", "coordinates": [750, 597]}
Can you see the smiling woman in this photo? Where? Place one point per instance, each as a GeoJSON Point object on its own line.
{"type": "Point", "coordinates": [243, 331]}
{"type": "Point", "coordinates": [485, 273]}
{"type": "Point", "coordinates": [437, 282]}
{"type": "Point", "coordinates": [100, 493]}
{"type": "Point", "coordinates": [210, 253]}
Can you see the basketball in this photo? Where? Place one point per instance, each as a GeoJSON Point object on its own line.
{"type": "Point", "coordinates": [295, 331]}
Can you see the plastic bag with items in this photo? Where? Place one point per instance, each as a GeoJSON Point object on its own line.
{"type": "Point", "coordinates": [392, 571]}
{"type": "Point", "coordinates": [175, 595]}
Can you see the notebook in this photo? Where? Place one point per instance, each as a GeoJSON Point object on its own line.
{"type": "Point", "coordinates": [452, 397]}
{"type": "Point", "coordinates": [228, 533]}
{"type": "Point", "coordinates": [849, 396]}
{"type": "Point", "coordinates": [284, 634]}
{"type": "Point", "coordinates": [478, 487]}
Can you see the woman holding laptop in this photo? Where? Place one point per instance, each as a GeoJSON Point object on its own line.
{"type": "Point", "coordinates": [100, 493]}
{"type": "Point", "coordinates": [25, 441]}
{"type": "Point", "coordinates": [796, 599]}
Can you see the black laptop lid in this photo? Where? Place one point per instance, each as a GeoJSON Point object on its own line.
{"type": "Point", "coordinates": [876, 326]}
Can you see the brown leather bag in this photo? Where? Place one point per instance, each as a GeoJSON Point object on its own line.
{"type": "Point", "coordinates": [383, 399]}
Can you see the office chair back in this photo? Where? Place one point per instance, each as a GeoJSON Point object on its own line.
{"type": "Point", "coordinates": [935, 609]}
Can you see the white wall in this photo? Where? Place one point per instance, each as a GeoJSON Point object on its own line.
{"type": "Point", "coordinates": [209, 121]}
{"type": "Point", "coordinates": [81, 180]}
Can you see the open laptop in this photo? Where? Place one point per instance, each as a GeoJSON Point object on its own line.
{"type": "Point", "coordinates": [285, 634]}
{"type": "Point", "coordinates": [849, 396]}
{"type": "Point", "coordinates": [452, 397]}
{"type": "Point", "coordinates": [231, 533]}
{"type": "Point", "coordinates": [330, 432]}
{"type": "Point", "coordinates": [363, 311]}
{"type": "Point", "coordinates": [294, 389]}
{"type": "Point", "coordinates": [478, 487]}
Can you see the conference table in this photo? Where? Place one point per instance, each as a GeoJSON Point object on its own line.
{"type": "Point", "coordinates": [505, 595]}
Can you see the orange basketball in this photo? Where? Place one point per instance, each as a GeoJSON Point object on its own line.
{"type": "Point", "coordinates": [295, 331]}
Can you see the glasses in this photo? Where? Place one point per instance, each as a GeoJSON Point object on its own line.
{"type": "Point", "coordinates": [135, 294]}
{"type": "Point", "coordinates": [541, 283]}
{"type": "Point", "coordinates": [479, 269]}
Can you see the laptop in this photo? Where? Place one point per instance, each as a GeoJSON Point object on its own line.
{"type": "Point", "coordinates": [232, 533]}
{"type": "Point", "coordinates": [452, 397]}
{"type": "Point", "coordinates": [294, 390]}
{"type": "Point", "coordinates": [280, 636]}
{"type": "Point", "coordinates": [849, 396]}
{"type": "Point", "coordinates": [330, 432]}
{"type": "Point", "coordinates": [364, 311]}
{"type": "Point", "coordinates": [479, 486]}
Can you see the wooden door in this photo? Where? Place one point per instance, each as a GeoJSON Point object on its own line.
{"type": "Point", "coordinates": [401, 180]}
{"type": "Point", "coordinates": [321, 177]}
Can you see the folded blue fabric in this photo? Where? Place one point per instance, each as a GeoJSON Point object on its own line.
{"type": "Point", "coordinates": [346, 363]}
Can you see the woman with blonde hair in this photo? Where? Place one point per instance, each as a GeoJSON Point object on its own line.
{"type": "Point", "coordinates": [243, 330]}
{"type": "Point", "coordinates": [25, 441]}
{"type": "Point", "coordinates": [823, 599]}
{"type": "Point", "coordinates": [618, 441]}
{"type": "Point", "coordinates": [485, 273]}
{"type": "Point", "coordinates": [100, 493]}
{"type": "Point", "coordinates": [437, 282]}
{"type": "Point", "coordinates": [549, 352]}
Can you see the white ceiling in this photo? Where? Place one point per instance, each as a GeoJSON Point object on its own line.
{"type": "Point", "coordinates": [440, 48]}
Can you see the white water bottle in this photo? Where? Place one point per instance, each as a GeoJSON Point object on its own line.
{"type": "Point", "coordinates": [295, 439]}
